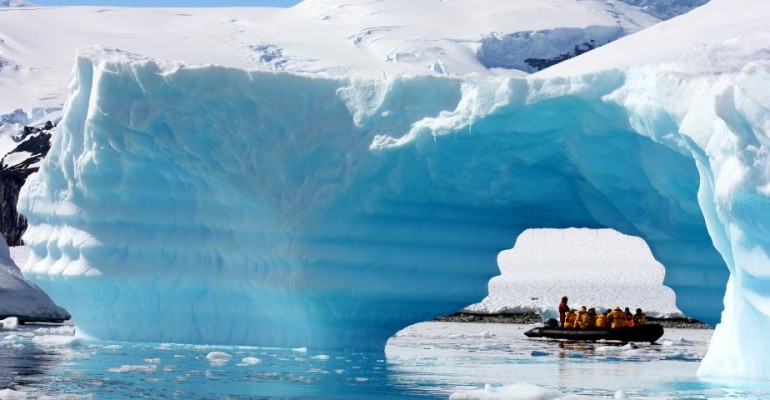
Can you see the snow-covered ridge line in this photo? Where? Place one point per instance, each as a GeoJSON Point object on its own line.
{"type": "Point", "coordinates": [330, 38]}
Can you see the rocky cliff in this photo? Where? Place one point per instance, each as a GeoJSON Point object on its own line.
{"type": "Point", "coordinates": [31, 146]}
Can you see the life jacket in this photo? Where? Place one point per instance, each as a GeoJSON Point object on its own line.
{"type": "Point", "coordinates": [629, 319]}
{"type": "Point", "coordinates": [618, 319]}
{"type": "Point", "coordinates": [569, 320]}
{"type": "Point", "coordinates": [640, 319]}
{"type": "Point", "coordinates": [601, 321]}
{"type": "Point", "coordinates": [583, 320]}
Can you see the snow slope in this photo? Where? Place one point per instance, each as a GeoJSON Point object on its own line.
{"type": "Point", "coordinates": [666, 9]}
{"type": "Point", "coordinates": [22, 299]}
{"type": "Point", "coordinates": [357, 37]}
{"type": "Point", "coordinates": [684, 39]}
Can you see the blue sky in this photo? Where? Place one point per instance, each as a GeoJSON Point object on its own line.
{"type": "Point", "coordinates": [168, 3]}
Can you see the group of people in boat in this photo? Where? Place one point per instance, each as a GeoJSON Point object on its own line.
{"type": "Point", "coordinates": [583, 318]}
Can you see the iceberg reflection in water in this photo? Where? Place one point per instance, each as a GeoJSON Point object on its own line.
{"type": "Point", "coordinates": [427, 360]}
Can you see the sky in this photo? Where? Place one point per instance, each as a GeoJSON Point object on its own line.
{"type": "Point", "coordinates": [169, 3]}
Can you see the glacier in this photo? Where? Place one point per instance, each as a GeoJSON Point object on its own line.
{"type": "Point", "coordinates": [206, 204]}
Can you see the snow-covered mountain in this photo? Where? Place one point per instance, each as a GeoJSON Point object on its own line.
{"type": "Point", "coordinates": [666, 9]}
{"type": "Point", "coordinates": [331, 38]}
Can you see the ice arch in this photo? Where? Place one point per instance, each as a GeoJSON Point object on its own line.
{"type": "Point", "coordinates": [205, 204]}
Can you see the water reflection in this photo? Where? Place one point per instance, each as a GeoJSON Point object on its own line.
{"type": "Point", "coordinates": [427, 361]}
{"type": "Point", "coordinates": [20, 363]}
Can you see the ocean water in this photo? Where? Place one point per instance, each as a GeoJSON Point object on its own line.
{"type": "Point", "coordinates": [428, 360]}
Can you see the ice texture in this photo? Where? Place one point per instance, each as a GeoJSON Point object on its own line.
{"type": "Point", "coordinates": [196, 203]}
{"type": "Point", "coordinates": [23, 301]}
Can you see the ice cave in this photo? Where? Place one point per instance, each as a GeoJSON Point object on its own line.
{"type": "Point", "coordinates": [204, 204]}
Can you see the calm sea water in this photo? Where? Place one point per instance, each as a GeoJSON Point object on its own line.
{"type": "Point", "coordinates": [428, 360]}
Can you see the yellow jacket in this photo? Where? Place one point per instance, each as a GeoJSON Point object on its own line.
{"type": "Point", "coordinates": [640, 319]}
{"type": "Point", "coordinates": [569, 320]}
{"type": "Point", "coordinates": [601, 321]}
{"type": "Point", "coordinates": [618, 318]}
{"type": "Point", "coordinates": [583, 320]}
{"type": "Point", "coordinates": [629, 320]}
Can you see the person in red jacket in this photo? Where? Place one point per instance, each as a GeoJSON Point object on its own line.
{"type": "Point", "coordinates": [563, 308]}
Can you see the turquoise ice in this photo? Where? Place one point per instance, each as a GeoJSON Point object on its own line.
{"type": "Point", "coordinates": [202, 204]}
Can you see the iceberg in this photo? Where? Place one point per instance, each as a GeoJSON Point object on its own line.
{"type": "Point", "coordinates": [23, 301]}
{"type": "Point", "coordinates": [206, 204]}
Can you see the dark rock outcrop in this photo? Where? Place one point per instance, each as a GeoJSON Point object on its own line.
{"type": "Point", "coordinates": [15, 167]}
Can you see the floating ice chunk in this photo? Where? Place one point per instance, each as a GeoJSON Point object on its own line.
{"type": "Point", "coordinates": [145, 369]}
{"type": "Point", "coordinates": [250, 360]}
{"type": "Point", "coordinates": [299, 349]}
{"type": "Point", "coordinates": [63, 330]}
{"type": "Point", "coordinates": [614, 349]}
{"type": "Point", "coordinates": [66, 397]}
{"type": "Point", "coordinates": [152, 360]}
{"type": "Point", "coordinates": [10, 323]}
{"type": "Point", "coordinates": [621, 395]}
{"type": "Point", "coordinates": [218, 358]}
{"type": "Point", "coordinates": [322, 357]}
{"type": "Point", "coordinates": [53, 341]}
{"type": "Point", "coordinates": [10, 394]}
{"type": "Point", "coordinates": [218, 355]}
{"type": "Point", "coordinates": [11, 338]}
{"type": "Point", "coordinates": [519, 391]}
{"type": "Point", "coordinates": [678, 342]}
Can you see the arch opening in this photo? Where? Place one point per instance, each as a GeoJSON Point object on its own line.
{"type": "Point", "coordinates": [599, 268]}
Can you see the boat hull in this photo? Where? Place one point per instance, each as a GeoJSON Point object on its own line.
{"type": "Point", "coordinates": [645, 333]}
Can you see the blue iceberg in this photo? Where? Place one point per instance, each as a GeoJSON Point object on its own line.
{"type": "Point", "coordinates": [204, 204]}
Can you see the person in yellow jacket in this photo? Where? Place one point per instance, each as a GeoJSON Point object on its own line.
{"type": "Point", "coordinates": [617, 318]}
{"type": "Point", "coordinates": [583, 320]}
{"type": "Point", "coordinates": [629, 317]}
{"type": "Point", "coordinates": [601, 321]}
{"type": "Point", "coordinates": [592, 317]}
{"type": "Point", "coordinates": [639, 318]}
{"type": "Point", "coordinates": [569, 319]}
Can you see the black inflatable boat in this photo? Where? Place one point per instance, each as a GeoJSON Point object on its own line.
{"type": "Point", "coordinates": [644, 333]}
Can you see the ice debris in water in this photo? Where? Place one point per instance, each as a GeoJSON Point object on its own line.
{"type": "Point", "coordinates": [144, 369]}
{"type": "Point", "coordinates": [250, 360]}
{"type": "Point", "coordinates": [218, 358]}
{"type": "Point", "coordinates": [10, 323]}
{"type": "Point", "coordinates": [518, 391]}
